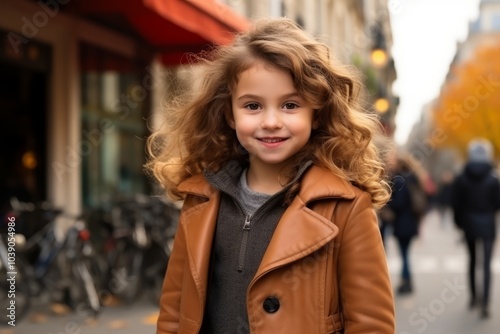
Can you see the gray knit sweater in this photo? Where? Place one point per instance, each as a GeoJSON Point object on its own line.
{"type": "Point", "coordinates": [239, 245]}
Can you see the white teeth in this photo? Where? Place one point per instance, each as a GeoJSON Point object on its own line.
{"type": "Point", "coordinates": [272, 140]}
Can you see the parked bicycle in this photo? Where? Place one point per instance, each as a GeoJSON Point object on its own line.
{"type": "Point", "coordinates": [63, 268]}
{"type": "Point", "coordinates": [140, 233]}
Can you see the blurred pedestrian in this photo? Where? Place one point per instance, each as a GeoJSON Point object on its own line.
{"type": "Point", "coordinates": [407, 206]}
{"type": "Point", "coordinates": [280, 178]}
{"type": "Point", "coordinates": [476, 199]}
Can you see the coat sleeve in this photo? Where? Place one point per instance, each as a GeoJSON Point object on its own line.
{"type": "Point", "coordinates": [170, 299]}
{"type": "Point", "coordinates": [365, 288]}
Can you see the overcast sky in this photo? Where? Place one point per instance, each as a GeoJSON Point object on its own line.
{"type": "Point", "coordinates": [425, 33]}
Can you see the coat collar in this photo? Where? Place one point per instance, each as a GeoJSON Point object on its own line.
{"type": "Point", "coordinates": [300, 231]}
{"type": "Point", "coordinates": [321, 183]}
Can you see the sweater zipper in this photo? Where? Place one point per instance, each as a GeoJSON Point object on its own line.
{"type": "Point", "coordinates": [244, 241]}
{"type": "Point", "coordinates": [246, 230]}
{"type": "Point", "coordinates": [246, 226]}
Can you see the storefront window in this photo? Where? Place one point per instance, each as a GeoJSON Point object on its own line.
{"type": "Point", "coordinates": [114, 109]}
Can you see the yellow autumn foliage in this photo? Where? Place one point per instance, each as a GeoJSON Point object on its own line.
{"type": "Point", "coordinates": [469, 103]}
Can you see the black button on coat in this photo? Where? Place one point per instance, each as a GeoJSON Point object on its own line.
{"type": "Point", "coordinates": [271, 304]}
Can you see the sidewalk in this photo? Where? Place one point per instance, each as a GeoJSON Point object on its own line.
{"type": "Point", "coordinates": [137, 318]}
{"type": "Point", "coordinates": [439, 304]}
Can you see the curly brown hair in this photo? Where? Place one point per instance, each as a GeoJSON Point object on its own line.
{"type": "Point", "coordinates": [197, 136]}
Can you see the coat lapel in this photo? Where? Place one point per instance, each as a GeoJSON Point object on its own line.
{"type": "Point", "coordinates": [301, 231]}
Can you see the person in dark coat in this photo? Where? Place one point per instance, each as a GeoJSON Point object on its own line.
{"type": "Point", "coordinates": [405, 221]}
{"type": "Point", "coordinates": [476, 198]}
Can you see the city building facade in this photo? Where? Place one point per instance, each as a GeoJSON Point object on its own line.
{"type": "Point", "coordinates": [80, 80]}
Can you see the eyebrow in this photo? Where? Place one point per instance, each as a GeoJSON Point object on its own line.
{"type": "Point", "coordinates": [256, 97]}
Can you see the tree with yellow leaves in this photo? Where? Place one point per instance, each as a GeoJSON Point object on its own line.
{"type": "Point", "coordinates": [469, 104]}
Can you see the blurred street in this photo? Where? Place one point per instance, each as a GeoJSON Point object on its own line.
{"type": "Point", "coordinates": [137, 318]}
{"type": "Point", "coordinates": [438, 305]}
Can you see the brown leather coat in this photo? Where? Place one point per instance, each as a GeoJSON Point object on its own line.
{"type": "Point", "coordinates": [328, 275]}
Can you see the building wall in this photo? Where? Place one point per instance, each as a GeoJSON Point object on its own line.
{"type": "Point", "coordinates": [63, 33]}
{"type": "Point", "coordinates": [484, 30]}
{"type": "Point", "coordinates": [489, 20]}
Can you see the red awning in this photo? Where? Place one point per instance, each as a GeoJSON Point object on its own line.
{"type": "Point", "coordinates": [171, 27]}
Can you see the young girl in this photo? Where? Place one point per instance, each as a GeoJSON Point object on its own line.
{"type": "Point", "coordinates": [275, 163]}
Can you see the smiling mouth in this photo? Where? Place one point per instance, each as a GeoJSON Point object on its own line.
{"type": "Point", "coordinates": [272, 140]}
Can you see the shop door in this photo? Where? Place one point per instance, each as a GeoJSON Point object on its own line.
{"type": "Point", "coordinates": [23, 122]}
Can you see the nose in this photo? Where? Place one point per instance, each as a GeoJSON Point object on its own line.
{"type": "Point", "coordinates": [271, 119]}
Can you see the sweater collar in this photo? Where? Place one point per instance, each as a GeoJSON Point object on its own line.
{"type": "Point", "coordinates": [228, 178]}
{"type": "Point", "coordinates": [317, 183]}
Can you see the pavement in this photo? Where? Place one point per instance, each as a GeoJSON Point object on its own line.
{"type": "Point", "coordinates": [139, 317]}
{"type": "Point", "coordinates": [439, 304]}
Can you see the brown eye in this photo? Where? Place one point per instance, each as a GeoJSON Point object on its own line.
{"type": "Point", "coordinates": [252, 106]}
{"type": "Point", "coordinates": [290, 105]}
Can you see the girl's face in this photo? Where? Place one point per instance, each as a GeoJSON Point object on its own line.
{"type": "Point", "coordinates": [271, 120]}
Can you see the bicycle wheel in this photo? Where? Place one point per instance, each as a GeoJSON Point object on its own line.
{"type": "Point", "coordinates": [84, 293]}
{"type": "Point", "coordinates": [126, 273]}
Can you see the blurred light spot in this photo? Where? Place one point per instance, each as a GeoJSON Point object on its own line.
{"type": "Point", "coordinates": [381, 105]}
{"type": "Point", "coordinates": [29, 160]}
{"type": "Point", "coordinates": [379, 57]}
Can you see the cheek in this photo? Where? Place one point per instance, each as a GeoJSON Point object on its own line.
{"type": "Point", "coordinates": [301, 125]}
{"type": "Point", "coordinates": [243, 129]}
